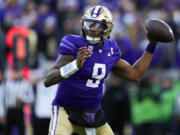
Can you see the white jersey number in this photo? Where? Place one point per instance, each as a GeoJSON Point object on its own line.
{"type": "Point", "coordinates": [97, 76]}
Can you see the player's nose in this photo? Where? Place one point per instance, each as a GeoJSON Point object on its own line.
{"type": "Point", "coordinates": [92, 28]}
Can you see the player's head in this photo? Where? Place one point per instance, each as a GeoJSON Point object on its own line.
{"type": "Point", "coordinates": [97, 24]}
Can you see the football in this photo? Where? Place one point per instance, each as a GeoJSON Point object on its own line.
{"type": "Point", "coordinates": [159, 30]}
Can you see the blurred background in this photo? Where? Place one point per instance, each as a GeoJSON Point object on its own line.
{"type": "Point", "coordinates": [30, 32]}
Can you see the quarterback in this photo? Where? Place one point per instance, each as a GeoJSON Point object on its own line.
{"type": "Point", "coordinates": [83, 63]}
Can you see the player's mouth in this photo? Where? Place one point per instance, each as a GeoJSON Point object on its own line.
{"type": "Point", "coordinates": [93, 34]}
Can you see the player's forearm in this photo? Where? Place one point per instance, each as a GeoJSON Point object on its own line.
{"type": "Point", "coordinates": [57, 75]}
{"type": "Point", "coordinates": [53, 77]}
{"type": "Point", "coordinates": [142, 64]}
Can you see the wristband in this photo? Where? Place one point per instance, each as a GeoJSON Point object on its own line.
{"type": "Point", "coordinates": [68, 69]}
{"type": "Point", "coordinates": [150, 48]}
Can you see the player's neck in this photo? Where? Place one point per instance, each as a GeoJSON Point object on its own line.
{"type": "Point", "coordinates": [100, 44]}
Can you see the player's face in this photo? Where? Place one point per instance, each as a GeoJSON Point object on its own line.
{"type": "Point", "coordinates": [94, 29]}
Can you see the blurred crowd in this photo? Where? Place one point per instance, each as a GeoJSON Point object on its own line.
{"type": "Point", "coordinates": [30, 33]}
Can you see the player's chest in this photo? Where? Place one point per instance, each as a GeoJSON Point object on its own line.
{"type": "Point", "coordinates": [100, 63]}
{"type": "Point", "coordinates": [101, 55]}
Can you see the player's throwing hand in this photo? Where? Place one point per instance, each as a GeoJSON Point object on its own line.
{"type": "Point", "coordinates": [83, 53]}
{"type": "Point", "coordinates": [151, 40]}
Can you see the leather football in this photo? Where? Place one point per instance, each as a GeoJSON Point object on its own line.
{"type": "Point", "coordinates": [159, 30]}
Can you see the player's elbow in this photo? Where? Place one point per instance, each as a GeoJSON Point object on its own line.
{"type": "Point", "coordinates": [136, 78]}
{"type": "Point", "coordinates": [46, 83]}
{"type": "Point", "coordinates": [50, 80]}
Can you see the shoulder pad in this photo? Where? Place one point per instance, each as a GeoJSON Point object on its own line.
{"type": "Point", "coordinates": [67, 45]}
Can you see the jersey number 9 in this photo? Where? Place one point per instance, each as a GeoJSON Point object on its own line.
{"type": "Point", "coordinates": [95, 75]}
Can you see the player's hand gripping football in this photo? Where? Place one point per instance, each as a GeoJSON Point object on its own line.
{"type": "Point", "coordinates": [151, 40]}
{"type": "Point", "coordinates": [83, 54]}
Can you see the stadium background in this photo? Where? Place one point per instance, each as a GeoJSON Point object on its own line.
{"type": "Point", "coordinates": [150, 107]}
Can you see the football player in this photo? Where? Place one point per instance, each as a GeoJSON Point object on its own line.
{"type": "Point", "coordinates": [84, 62]}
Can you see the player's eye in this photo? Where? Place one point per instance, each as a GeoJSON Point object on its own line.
{"type": "Point", "coordinates": [91, 24]}
{"type": "Point", "coordinates": [96, 25]}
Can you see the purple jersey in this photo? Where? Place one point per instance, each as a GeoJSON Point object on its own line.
{"type": "Point", "coordinates": [84, 88]}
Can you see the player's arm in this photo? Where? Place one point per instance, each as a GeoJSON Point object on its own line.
{"type": "Point", "coordinates": [135, 72]}
{"type": "Point", "coordinates": [55, 74]}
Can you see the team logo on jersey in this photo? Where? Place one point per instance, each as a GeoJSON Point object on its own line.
{"type": "Point", "coordinates": [89, 117]}
{"type": "Point", "coordinates": [109, 54]}
{"type": "Point", "coordinates": [90, 47]}
{"type": "Point", "coordinates": [112, 51]}
{"type": "Point", "coordinates": [100, 51]}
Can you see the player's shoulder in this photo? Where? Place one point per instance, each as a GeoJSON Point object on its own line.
{"type": "Point", "coordinates": [70, 43]}
{"type": "Point", "coordinates": [113, 46]}
{"type": "Point", "coordinates": [112, 43]}
{"type": "Point", "coordinates": [72, 38]}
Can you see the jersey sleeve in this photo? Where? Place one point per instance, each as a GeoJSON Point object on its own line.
{"type": "Point", "coordinates": [67, 46]}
